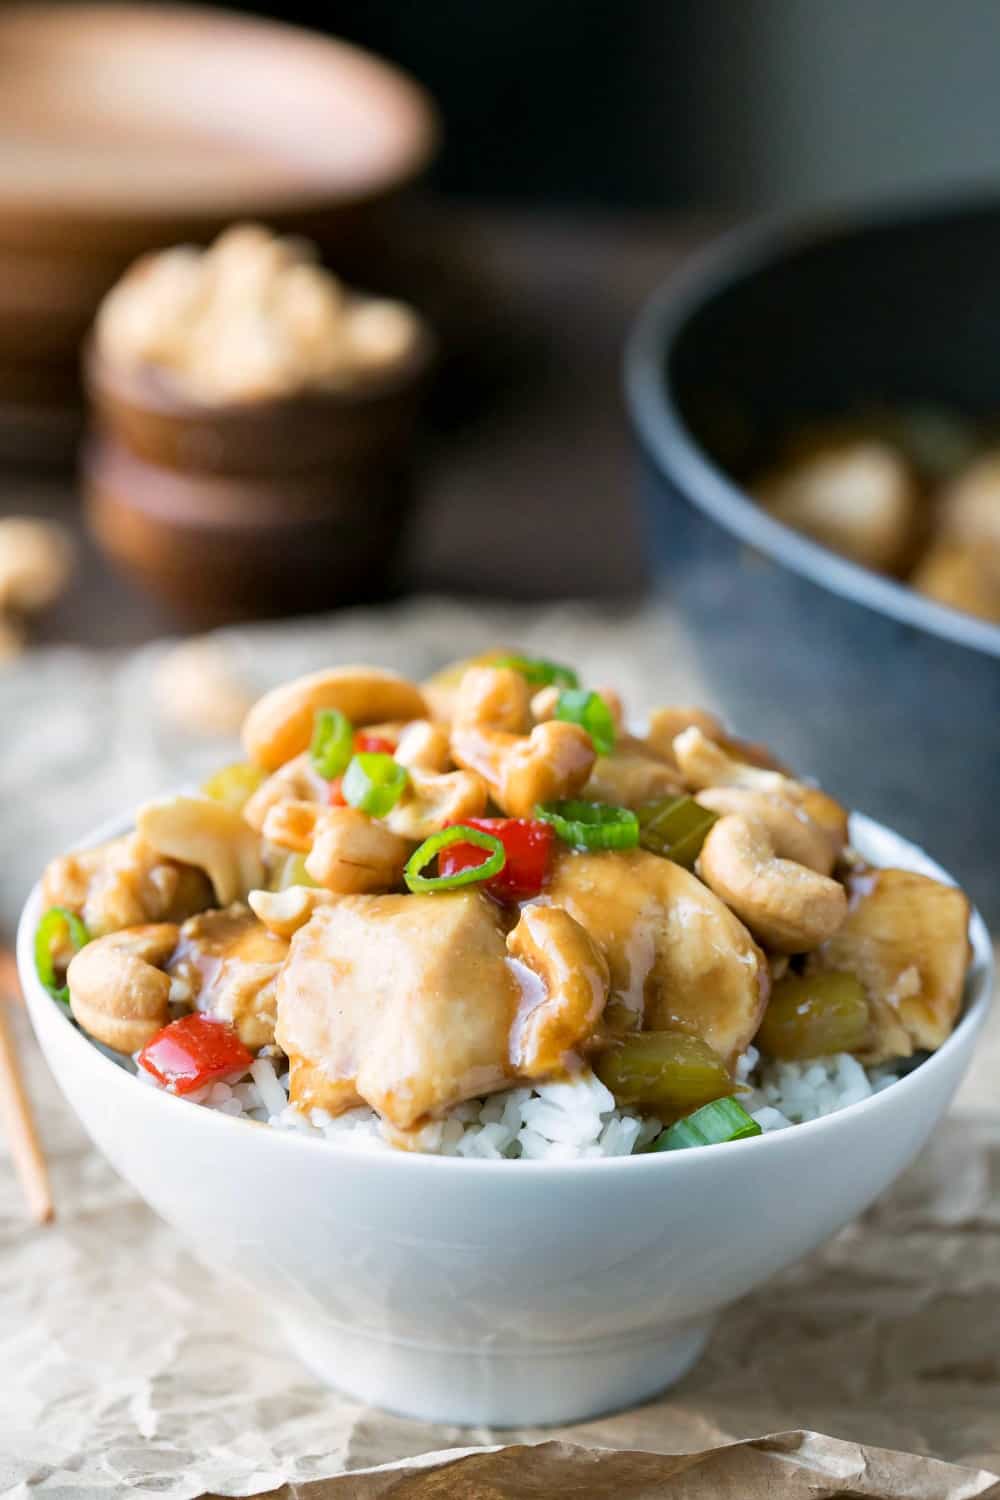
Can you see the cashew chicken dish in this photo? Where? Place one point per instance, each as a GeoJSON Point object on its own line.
{"type": "Point", "coordinates": [482, 917]}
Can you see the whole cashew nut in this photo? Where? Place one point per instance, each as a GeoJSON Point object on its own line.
{"type": "Point", "coordinates": [790, 828]}
{"type": "Point", "coordinates": [205, 833]}
{"type": "Point", "coordinates": [424, 746]}
{"type": "Point", "coordinates": [36, 559]}
{"type": "Point", "coordinates": [292, 824]}
{"type": "Point", "coordinates": [118, 992]}
{"type": "Point", "coordinates": [284, 912]}
{"type": "Point", "coordinates": [573, 974]}
{"type": "Point", "coordinates": [346, 851]}
{"type": "Point", "coordinates": [431, 802]}
{"type": "Point", "coordinates": [488, 736]}
{"type": "Point", "coordinates": [280, 725]}
{"type": "Point", "coordinates": [665, 724]}
{"type": "Point", "coordinates": [787, 907]}
{"type": "Point", "coordinates": [296, 780]}
{"type": "Point", "coordinates": [704, 763]}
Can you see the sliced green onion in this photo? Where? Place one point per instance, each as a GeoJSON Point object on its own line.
{"type": "Point", "coordinates": [456, 834]}
{"type": "Point", "coordinates": [712, 1125]}
{"type": "Point", "coordinates": [56, 927]}
{"type": "Point", "coordinates": [676, 828]}
{"type": "Point", "coordinates": [538, 671]}
{"type": "Point", "coordinates": [374, 782]}
{"type": "Point", "coordinates": [332, 742]}
{"type": "Point", "coordinates": [589, 710]}
{"type": "Point", "coordinates": [591, 825]}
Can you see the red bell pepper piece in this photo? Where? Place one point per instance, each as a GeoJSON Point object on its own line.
{"type": "Point", "coordinates": [373, 744]}
{"type": "Point", "coordinates": [335, 792]}
{"type": "Point", "coordinates": [528, 845]}
{"type": "Point", "coordinates": [192, 1052]}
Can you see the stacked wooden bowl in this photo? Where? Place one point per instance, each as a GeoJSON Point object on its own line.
{"type": "Point", "coordinates": [124, 128]}
{"type": "Point", "coordinates": [249, 510]}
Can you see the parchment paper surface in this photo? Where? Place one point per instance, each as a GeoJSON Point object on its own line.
{"type": "Point", "coordinates": [128, 1368]}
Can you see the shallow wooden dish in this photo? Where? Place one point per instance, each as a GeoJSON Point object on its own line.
{"type": "Point", "coordinates": [128, 125]}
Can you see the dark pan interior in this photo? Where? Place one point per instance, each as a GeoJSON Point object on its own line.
{"type": "Point", "coordinates": [906, 312]}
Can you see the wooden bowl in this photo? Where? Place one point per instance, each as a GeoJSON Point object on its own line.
{"type": "Point", "coordinates": [217, 549]}
{"type": "Point", "coordinates": [126, 126]}
{"type": "Point", "coordinates": [364, 429]}
{"type": "Point", "coordinates": [255, 508]}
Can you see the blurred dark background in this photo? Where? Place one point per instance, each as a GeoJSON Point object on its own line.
{"type": "Point", "coordinates": [587, 150]}
{"type": "Point", "coordinates": [655, 104]}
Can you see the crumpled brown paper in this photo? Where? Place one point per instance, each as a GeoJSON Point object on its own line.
{"type": "Point", "coordinates": [786, 1466]}
{"type": "Point", "coordinates": [126, 1367]}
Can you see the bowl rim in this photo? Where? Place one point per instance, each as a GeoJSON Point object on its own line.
{"type": "Point", "coordinates": [410, 162]}
{"type": "Point", "coordinates": [724, 263]}
{"type": "Point", "coordinates": [977, 1001]}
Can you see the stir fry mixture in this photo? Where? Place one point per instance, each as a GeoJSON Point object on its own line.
{"type": "Point", "coordinates": [913, 493]}
{"type": "Point", "coordinates": [412, 897]}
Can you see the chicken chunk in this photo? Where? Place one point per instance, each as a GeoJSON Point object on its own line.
{"type": "Point", "coordinates": [678, 958]}
{"type": "Point", "coordinates": [413, 1003]}
{"type": "Point", "coordinates": [226, 964]}
{"type": "Point", "coordinates": [906, 938]}
{"type": "Point", "coordinates": [124, 883]}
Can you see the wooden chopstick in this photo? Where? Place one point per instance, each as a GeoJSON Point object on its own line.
{"type": "Point", "coordinates": [10, 985]}
{"type": "Point", "coordinates": [15, 1111]}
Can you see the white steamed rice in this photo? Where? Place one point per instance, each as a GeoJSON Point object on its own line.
{"type": "Point", "coordinates": [552, 1121]}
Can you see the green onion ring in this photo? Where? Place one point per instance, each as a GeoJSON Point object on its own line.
{"type": "Point", "coordinates": [712, 1125]}
{"type": "Point", "coordinates": [456, 834]}
{"type": "Point", "coordinates": [538, 671]}
{"type": "Point", "coordinates": [374, 782]}
{"type": "Point", "coordinates": [56, 923]}
{"type": "Point", "coordinates": [589, 710]}
{"type": "Point", "coordinates": [591, 825]}
{"type": "Point", "coordinates": [332, 742]}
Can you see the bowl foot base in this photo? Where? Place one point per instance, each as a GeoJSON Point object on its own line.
{"type": "Point", "coordinates": [528, 1386]}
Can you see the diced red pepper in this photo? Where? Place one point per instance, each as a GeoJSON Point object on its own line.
{"type": "Point", "coordinates": [528, 845]}
{"type": "Point", "coordinates": [373, 744]}
{"type": "Point", "coordinates": [192, 1052]}
{"type": "Point", "coordinates": [335, 792]}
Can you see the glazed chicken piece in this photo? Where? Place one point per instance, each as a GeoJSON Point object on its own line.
{"type": "Point", "coordinates": [678, 958]}
{"type": "Point", "coordinates": [122, 884]}
{"type": "Point", "coordinates": [413, 1003]}
{"type": "Point", "coordinates": [906, 937]}
{"type": "Point", "coordinates": [226, 964]}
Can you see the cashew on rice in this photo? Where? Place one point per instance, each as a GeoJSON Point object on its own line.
{"type": "Point", "coordinates": [787, 906]}
{"type": "Point", "coordinates": [118, 992]}
{"type": "Point", "coordinates": [703, 764]}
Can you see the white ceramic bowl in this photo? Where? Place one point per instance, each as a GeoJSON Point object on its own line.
{"type": "Point", "coordinates": [492, 1292]}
